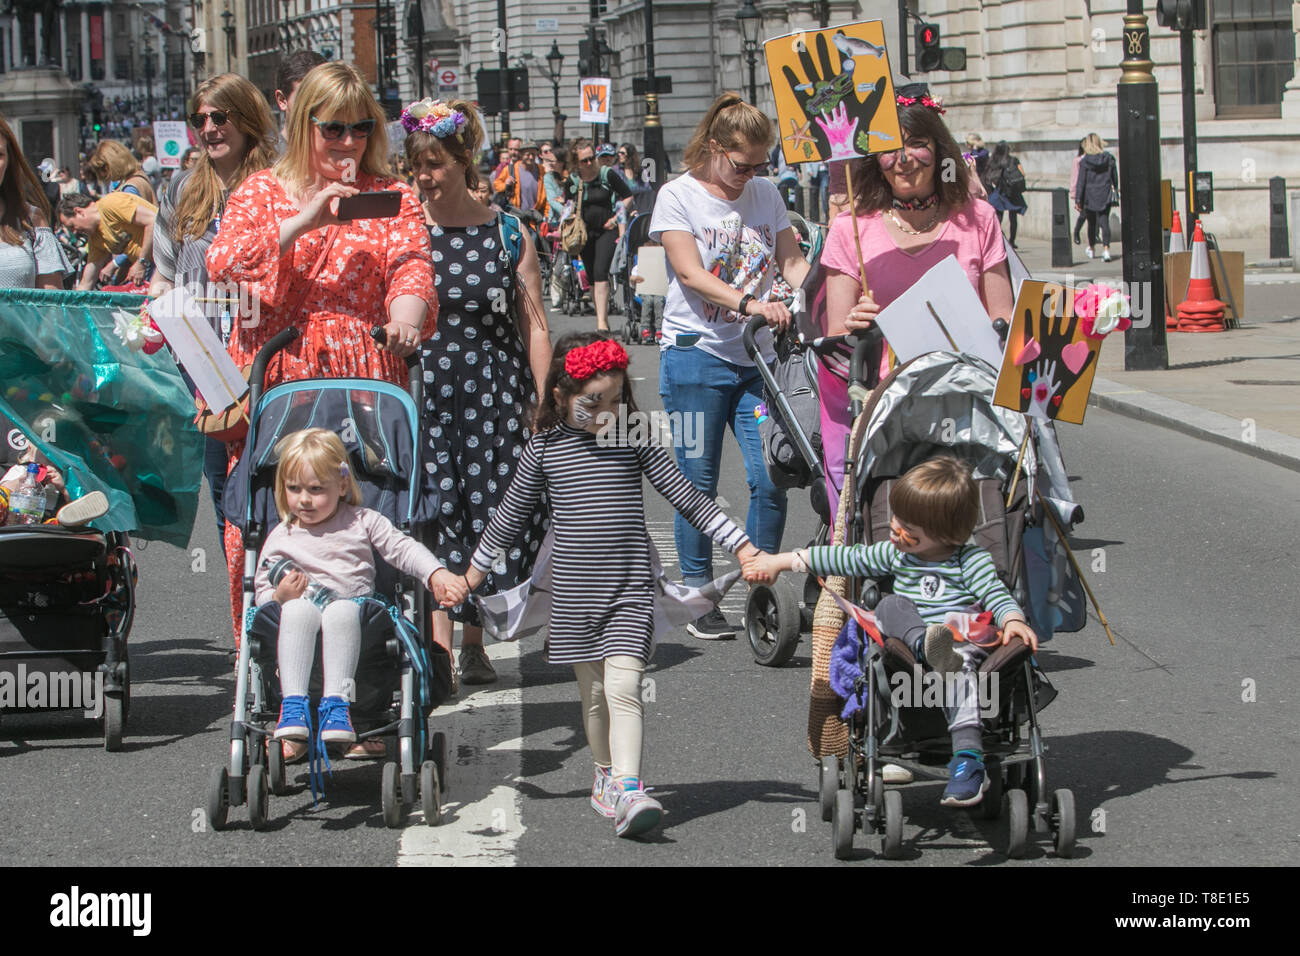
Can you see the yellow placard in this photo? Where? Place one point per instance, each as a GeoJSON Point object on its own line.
{"type": "Point", "coordinates": [1049, 364]}
{"type": "Point", "coordinates": [834, 92]}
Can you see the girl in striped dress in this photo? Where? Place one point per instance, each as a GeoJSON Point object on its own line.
{"type": "Point", "coordinates": [604, 591]}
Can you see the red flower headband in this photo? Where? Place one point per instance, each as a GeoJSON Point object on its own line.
{"type": "Point", "coordinates": [927, 100]}
{"type": "Point", "coordinates": [603, 356]}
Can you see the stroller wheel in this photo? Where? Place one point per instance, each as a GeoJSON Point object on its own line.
{"type": "Point", "coordinates": [772, 621]}
{"type": "Point", "coordinates": [991, 806]}
{"type": "Point", "coordinates": [438, 745]}
{"type": "Point", "coordinates": [430, 788]}
{"type": "Point", "coordinates": [259, 799]}
{"type": "Point", "coordinates": [842, 824]}
{"type": "Point", "coordinates": [218, 798]}
{"type": "Point", "coordinates": [891, 844]}
{"type": "Point", "coordinates": [275, 767]}
{"type": "Point", "coordinates": [1017, 823]}
{"type": "Point", "coordinates": [828, 782]}
{"type": "Point", "coordinates": [390, 799]}
{"type": "Point", "coordinates": [1063, 822]}
{"type": "Point", "coordinates": [114, 721]}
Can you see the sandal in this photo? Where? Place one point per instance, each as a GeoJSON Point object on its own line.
{"type": "Point", "coordinates": [294, 751]}
{"type": "Point", "coordinates": [370, 749]}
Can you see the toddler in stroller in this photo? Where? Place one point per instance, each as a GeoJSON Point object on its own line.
{"type": "Point", "coordinates": [314, 562]}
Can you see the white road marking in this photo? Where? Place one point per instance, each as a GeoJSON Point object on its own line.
{"type": "Point", "coordinates": [482, 809]}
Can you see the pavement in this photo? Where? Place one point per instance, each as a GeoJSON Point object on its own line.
{"type": "Point", "coordinates": [1239, 388]}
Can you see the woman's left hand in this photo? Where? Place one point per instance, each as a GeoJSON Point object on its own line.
{"type": "Point", "coordinates": [403, 339]}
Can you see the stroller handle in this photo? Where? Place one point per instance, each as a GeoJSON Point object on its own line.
{"type": "Point", "coordinates": [257, 377]}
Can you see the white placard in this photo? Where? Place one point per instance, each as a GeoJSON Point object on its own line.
{"type": "Point", "coordinates": [197, 348]}
{"type": "Point", "coordinates": [593, 100]}
{"type": "Point", "coordinates": [652, 266]}
{"type": "Point", "coordinates": [1019, 272]}
{"type": "Point", "coordinates": [170, 141]}
{"type": "Point", "coordinates": [940, 306]}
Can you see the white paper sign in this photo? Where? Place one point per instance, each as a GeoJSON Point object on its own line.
{"type": "Point", "coordinates": [939, 312]}
{"type": "Point", "coordinates": [593, 93]}
{"type": "Point", "coordinates": [652, 266]}
{"type": "Point", "coordinates": [198, 349]}
{"type": "Point", "coordinates": [1019, 273]}
{"type": "Point", "coordinates": [171, 141]}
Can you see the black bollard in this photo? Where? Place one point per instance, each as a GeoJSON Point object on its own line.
{"type": "Point", "coordinates": [1279, 242]}
{"type": "Point", "coordinates": [1062, 255]}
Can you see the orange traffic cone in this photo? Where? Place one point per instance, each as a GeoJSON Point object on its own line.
{"type": "Point", "coordinates": [1200, 311]}
{"type": "Point", "coordinates": [1176, 242]}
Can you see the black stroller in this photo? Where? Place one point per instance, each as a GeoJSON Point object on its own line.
{"type": "Point", "coordinates": [638, 233]}
{"type": "Point", "coordinates": [401, 675]}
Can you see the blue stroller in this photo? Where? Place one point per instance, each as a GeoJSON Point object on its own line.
{"type": "Point", "coordinates": [401, 675]}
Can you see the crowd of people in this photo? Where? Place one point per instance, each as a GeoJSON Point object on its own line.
{"type": "Point", "coordinates": [509, 420]}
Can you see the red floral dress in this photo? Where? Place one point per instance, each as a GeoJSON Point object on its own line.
{"type": "Point", "coordinates": [371, 262]}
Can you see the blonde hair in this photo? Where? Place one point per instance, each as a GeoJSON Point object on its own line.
{"type": "Point", "coordinates": [461, 148]}
{"type": "Point", "coordinates": [1093, 144]}
{"type": "Point", "coordinates": [320, 450]}
{"type": "Point", "coordinates": [111, 160]}
{"type": "Point", "coordinates": [732, 124]}
{"type": "Point", "coordinates": [204, 193]}
{"type": "Point", "coordinates": [975, 140]}
{"type": "Point", "coordinates": [329, 91]}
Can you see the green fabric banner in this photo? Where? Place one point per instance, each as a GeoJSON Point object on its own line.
{"type": "Point", "coordinates": [110, 418]}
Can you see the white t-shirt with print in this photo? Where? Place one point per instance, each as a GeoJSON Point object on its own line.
{"type": "Point", "coordinates": [737, 243]}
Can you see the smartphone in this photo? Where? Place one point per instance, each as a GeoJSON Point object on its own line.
{"type": "Point", "coordinates": [376, 205]}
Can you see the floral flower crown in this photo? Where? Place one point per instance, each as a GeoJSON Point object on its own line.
{"type": "Point", "coordinates": [924, 100]}
{"type": "Point", "coordinates": [433, 116]}
{"type": "Point", "coordinates": [605, 355]}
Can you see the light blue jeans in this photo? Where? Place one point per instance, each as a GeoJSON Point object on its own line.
{"type": "Point", "coordinates": [716, 393]}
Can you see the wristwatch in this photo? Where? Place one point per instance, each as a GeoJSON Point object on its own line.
{"type": "Point", "coordinates": [744, 303]}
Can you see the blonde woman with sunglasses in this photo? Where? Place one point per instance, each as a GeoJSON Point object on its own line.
{"type": "Point", "coordinates": [282, 226]}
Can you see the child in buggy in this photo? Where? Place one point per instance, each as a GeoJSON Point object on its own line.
{"type": "Point", "coordinates": [935, 507]}
{"type": "Point", "coordinates": [326, 542]}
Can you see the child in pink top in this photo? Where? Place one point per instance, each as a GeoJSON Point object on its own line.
{"type": "Point", "coordinates": [330, 542]}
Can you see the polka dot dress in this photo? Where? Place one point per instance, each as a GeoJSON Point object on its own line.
{"type": "Point", "coordinates": [479, 393]}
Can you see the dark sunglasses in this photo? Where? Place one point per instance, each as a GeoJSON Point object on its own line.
{"type": "Point", "coordinates": [334, 130]}
{"type": "Point", "coordinates": [589, 159]}
{"type": "Point", "coordinates": [218, 117]}
{"type": "Point", "coordinates": [746, 169]}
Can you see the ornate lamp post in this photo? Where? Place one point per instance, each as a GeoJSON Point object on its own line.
{"type": "Point", "coordinates": [751, 24]}
{"type": "Point", "coordinates": [555, 63]}
{"type": "Point", "coordinates": [228, 27]}
{"type": "Point", "coordinates": [148, 76]}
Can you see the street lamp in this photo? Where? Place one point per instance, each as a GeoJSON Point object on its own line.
{"type": "Point", "coordinates": [286, 25]}
{"type": "Point", "coordinates": [71, 56]}
{"type": "Point", "coordinates": [555, 62]}
{"type": "Point", "coordinates": [148, 76]}
{"type": "Point", "coordinates": [751, 24]}
{"type": "Point", "coordinates": [228, 28]}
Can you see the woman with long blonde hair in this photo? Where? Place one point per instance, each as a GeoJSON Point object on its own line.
{"type": "Point", "coordinates": [333, 279]}
{"type": "Point", "coordinates": [112, 164]}
{"type": "Point", "coordinates": [236, 139]}
{"type": "Point", "coordinates": [30, 255]}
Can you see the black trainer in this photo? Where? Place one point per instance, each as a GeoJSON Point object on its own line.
{"type": "Point", "coordinates": [712, 627]}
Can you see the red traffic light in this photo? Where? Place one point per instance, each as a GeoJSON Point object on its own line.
{"type": "Point", "coordinates": [928, 36]}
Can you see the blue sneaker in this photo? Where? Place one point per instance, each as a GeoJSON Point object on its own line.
{"type": "Point", "coordinates": [335, 721]}
{"type": "Point", "coordinates": [293, 719]}
{"type": "Point", "coordinates": [967, 782]}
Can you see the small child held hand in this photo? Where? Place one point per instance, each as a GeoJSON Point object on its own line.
{"type": "Point", "coordinates": [764, 568]}
{"type": "Point", "coordinates": [449, 589]}
{"type": "Point", "coordinates": [291, 586]}
{"type": "Point", "coordinates": [1018, 627]}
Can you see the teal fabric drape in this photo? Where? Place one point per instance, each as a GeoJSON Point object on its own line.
{"type": "Point", "coordinates": [110, 418]}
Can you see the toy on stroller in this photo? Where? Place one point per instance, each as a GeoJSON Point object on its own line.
{"type": "Point", "coordinates": [942, 403]}
{"type": "Point", "coordinates": [401, 675]}
{"type": "Point", "coordinates": [67, 600]}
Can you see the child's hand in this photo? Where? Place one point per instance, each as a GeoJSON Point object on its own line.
{"type": "Point", "coordinates": [474, 577]}
{"type": "Point", "coordinates": [291, 586]}
{"type": "Point", "coordinates": [1022, 630]}
{"type": "Point", "coordinates": [762, 568]}
{"type": "Point", "coordinates": [54, 478]}
{"type": "Point", "coordinates": [449, 589]}
{"type": "Point", "coordinates": [637, 280]}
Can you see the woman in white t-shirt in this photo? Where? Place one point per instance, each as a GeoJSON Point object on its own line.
{"type": "Point", "coordinates": [726, 235]}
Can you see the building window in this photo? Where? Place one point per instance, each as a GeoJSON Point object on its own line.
{"type": "Point", "coordinates": [122, 67]}
{"type": "Point", "coordinates": [1253, 47]}
{"type": "Point", "coordinates": [598, 8]}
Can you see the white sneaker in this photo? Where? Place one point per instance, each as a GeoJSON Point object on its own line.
{"type": "Point", "coordinates": [893, 773]}
{"type": "Point", "coordinates": [1090, 252]}
{"type": "Point", "coordinates": [1105, 255]}
{"type": "Point", "coordinates": [604, 793]}
{"type": "Point", "coordinates": [635, 811]}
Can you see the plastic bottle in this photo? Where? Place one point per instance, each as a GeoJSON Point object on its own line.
{"type": "Point", "coordinates": [27, 504]}
{"type": "Point", "coordinates": [316, 593]}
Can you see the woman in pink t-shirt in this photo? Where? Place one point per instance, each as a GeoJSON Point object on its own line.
{"type": "Point", "coordinates": [909, 218]}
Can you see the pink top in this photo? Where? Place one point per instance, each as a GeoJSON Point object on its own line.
{"type": "Point", "coordinates": [340, 552]}
{"type": "Point", "coordinates": [1074, 174]}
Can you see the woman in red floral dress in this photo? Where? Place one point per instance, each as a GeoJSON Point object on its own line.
{"type": "Point", "coordinates": [377, 271]}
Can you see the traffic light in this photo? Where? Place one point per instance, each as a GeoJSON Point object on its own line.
{"type": "Point", "coordinates": [928, 55]}
{"type": "Point", "coordinates": [1181, 14]}
{"type": "Point", "coordinates": [584, 58]}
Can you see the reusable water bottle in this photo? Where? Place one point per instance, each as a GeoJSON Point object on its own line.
{"type": "Point", "coordinates": [27, 504]}
{"type": "Point", "coordinates": [316, 593]}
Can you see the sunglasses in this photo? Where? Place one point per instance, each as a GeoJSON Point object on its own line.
{"type": "Point", "coordinates": [332, 130]}
{"type": "Point", "coordinates": [746, 169]}
{"type": "Point", "coordinates": [589, 159]}
{"type": "Point", "coordinates": [922, 155]}
{"type": "Point", "coordinates": [218, 117]}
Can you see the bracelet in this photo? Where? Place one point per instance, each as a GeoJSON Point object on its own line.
{"type": "Point", "coordinates": [799, 561]}
{"type": "Point", "coordinates": [744, 303]}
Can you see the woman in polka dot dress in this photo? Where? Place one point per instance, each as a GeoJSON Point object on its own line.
{"type": "Point", "coordinates": [481, 367]}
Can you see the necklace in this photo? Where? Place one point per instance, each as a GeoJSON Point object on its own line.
{"type": "Point", "coordinates": [912, 205]}
{"type": "Point", "coordinates": [914, 232]}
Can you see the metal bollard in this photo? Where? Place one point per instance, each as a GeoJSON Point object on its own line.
{"type": "Point", "coordinates": [1279, 243]}
{"type": "Point", "coordinates": [1062, 255]}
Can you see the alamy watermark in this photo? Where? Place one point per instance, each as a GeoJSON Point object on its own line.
{"type": "Point", "coordinates": [684, 430]}
{"type": "Point", "coordinates": [21, 689]}
{"type": "Point", "coordinates": [951, 691]}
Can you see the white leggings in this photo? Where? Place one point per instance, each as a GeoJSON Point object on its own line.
{"type": "Point", "coordinates": [340, 627]}
{"type": "Point", "coordinates": [611, 712]}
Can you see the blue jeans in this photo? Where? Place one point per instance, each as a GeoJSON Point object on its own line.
{"type": "Point", "coordinates": [714, 393]}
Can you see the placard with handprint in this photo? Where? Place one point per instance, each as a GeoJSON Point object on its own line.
{"type": "Point", "coordinates": [1049, 363]}
{"type": "Point", "coordinates": [834, 92]}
